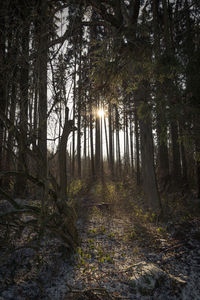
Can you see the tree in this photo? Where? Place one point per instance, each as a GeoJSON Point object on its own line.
{"type": "Point", "coordinates": [124, 19]}
{"type": "Point", "coordinates": [24, 14]}
{"type": "Point", "coordinates": [31, 50]}
{"type": "Point", "coordinates": [2, 76]}
{"type": "Point", "coordinates": [43, 38]}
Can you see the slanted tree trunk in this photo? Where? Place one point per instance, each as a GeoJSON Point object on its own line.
{"type": "Point", "coordinates": [63, 223]}
{"type": "Point", "coordinates": [106, 138]}
{"type": "Point", "coordinates": [68, 127]}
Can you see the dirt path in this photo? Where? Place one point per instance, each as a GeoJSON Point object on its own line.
{"type": "Point", "coordinates": [115, 243]}
{"type": "Point", "coordinates": [123, 255]}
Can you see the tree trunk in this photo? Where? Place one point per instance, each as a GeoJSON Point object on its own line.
{"type": "Point", "coordinates": [106, 137]}
{"type": "Point", "coordinates": [68, 127]}
{"type": "Point", "coordinates": [118, 151]}
{"type": "Point", "coordinates": [42, 73]}
{"type": "Point", "coordinates": [74, 109]}
{"type": "Point", "coordinates": [14, 52]}
{"type": "Point", "coordinates": [183, 156]}
{"type": "Point", "coordinates": [2, 78]}
{"type": "Point", "coordinates": [131, 144]}
{"type": "Point", "coordinates": [21, 182]}
{"type": "Point", "coordinates": [110, 139]}
{"type": "Point", "coordinates": [176, 161]}
{"type": "Point", "coordinates": [12, 119]}
{"type": "Point", "coordinates": [85, 140]}
{"type": "Point", "coordinates": [97, 144]}
{"type": "Point", "coordinates": [127, 143]}
{"type": "Point", "coordinates": [163, 159]}
{"type": "Point", "coordinates": [197, 152]}
{"type": "Point", "coordinates": [169, 83]}
{"type": "Point", "coordinates": [137, 147]}
{"type": "Point", "coordinates": [101, 147]}
{"type": "Point", "coordinates": [148, 171]}
{"type": "Point", "coordinates": [79, 117]}
{"type": "Point", "coordinates": [91, 142]}
{"type": "Point", "coordinates": [35, 112]}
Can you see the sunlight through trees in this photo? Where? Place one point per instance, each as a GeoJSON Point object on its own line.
{"type": "Point", "coordinates": [95, 90]}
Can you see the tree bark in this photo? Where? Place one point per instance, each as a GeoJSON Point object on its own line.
{"type": "Point", "coordinates": [74, 109]}
{"type": "Point", "coordinates": [118, 151]}
{"type": "Point", "coordinates": [197, 152]}
{"type": "Point", "coordinates": [21, 182]}
{"type": "Point", "coordinates": [106, 137]}
{"type": "Point", "coordinates": [68, 127]}
{"type": "Point", "coordinates": [91, 142]}
{"type": "Point", "coordinates": [163, 159]}
{"type": "Point", "coordinates": [183, 156]}
{"type": "Point", "coordinates": [131, 144]}
{"type": "Point", "coordinates": [97, 144]}
{"type": "Point", "coordinates": [148, 171]}
{"type": "Point", "coordinates": [79, 106]}
{"type": "Point", "coordinates": [2, 78]}
{"type": "Point", "coordinates": [169, 83]}
{"type": "Point", "coordinates": [137, 147]}
{"type": "Point", "coordinates": [176, 163]}
{"type": "Point", "coordinates": [110, 139]}
{"type": "Point", "coordinates": [42, 74]}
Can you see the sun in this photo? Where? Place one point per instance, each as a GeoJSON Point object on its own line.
{"type": "Point", "coordinates": [100, 113]}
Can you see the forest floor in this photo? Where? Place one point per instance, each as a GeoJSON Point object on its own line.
{"type": "Point", "coordinates": [124, 254]}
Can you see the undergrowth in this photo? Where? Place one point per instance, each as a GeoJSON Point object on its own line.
{"type": "Point", "coordinates": [124, 200]}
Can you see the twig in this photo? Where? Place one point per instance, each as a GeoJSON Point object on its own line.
{"type": "Point", "coordinates": [102, 292]}
{"type": "Point", "coordinates": [173, 247]}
